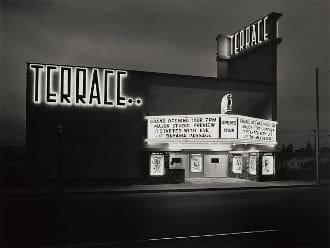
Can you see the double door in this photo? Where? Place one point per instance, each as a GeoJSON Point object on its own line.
{"type": "Point", "coordinates": [215, 165]}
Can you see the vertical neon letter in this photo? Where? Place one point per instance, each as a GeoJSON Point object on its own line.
{"type": "Point", "coordinates": [81, 96]}
{"type": "Point", "coordinates": [36, 81]}
{"type": "Point", "coordinates": [49, 80]}
{"type": "Point", "coordinates": [65, 82]}
{"type": "Point", "coordinates": [95, 86]}
{"type": "Point", "coordinates": [106, 101]}
{"type": "Point", "coordinates": [120, 98]}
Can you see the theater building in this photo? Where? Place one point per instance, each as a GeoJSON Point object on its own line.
{"type": "Point", "coordinates": [147, 127]}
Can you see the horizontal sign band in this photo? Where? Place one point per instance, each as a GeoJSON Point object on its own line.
{"type": "Point", "coordinates": [209, 141]}
{"type": "Point", "coordinates": [203, 127]}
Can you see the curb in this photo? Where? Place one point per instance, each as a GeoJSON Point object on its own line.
{"type": "Point", "coordinates": [143, 191]}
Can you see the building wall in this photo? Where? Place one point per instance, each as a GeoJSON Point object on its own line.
{"type": "Point", "coordinates": [177, 100]}
{"type": "Point", "coordinates": [103, 142]}
{"type": "Point", "coordinates": [257, 65]}
{"type": "Point", "coordinates": [96, 141]}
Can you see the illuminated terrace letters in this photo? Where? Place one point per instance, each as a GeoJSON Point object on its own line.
{"type": "Point", "coordinates": [249, 36]}
{"type": "Point", "coordinates": [80, 86]}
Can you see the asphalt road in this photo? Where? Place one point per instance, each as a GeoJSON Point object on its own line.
{"type": "Point", "coordinates": [184, 219]}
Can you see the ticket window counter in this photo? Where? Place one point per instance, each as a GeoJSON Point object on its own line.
{"type": "Point", "coordinates": [191, 163]}
{"type": "Point", "coordinates": [179, 161]}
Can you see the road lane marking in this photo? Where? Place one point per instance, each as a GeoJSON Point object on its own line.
{"type": "Point", "coordinates": [166, 238]}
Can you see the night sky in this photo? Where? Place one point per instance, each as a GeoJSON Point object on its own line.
{"type": "Point", "coordinates": [164, 36]}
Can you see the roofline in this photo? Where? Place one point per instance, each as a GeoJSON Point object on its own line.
{"type": "Point", "coordinates": [160, 73]}
{"type": "Point", "coordinates": [272, 15]}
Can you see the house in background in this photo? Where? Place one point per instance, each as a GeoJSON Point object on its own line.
{"type": "Point", "coordinates": [299, 163]}
{"type": "Point", "coordinates": [325, 155]}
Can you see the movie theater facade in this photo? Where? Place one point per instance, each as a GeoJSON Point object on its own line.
{"type": "Point", "coordinates": [147, 127]}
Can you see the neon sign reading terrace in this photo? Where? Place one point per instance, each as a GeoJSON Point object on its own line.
{"type": "Point", "coordinates": [249, 36]}
{"type": "Point", "coordinates": [80, 86]}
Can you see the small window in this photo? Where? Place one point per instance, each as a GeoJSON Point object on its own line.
{"type": "Point", "coordinates": [176, 160]}
{"type": "Point", "coordinates": [214, 160]}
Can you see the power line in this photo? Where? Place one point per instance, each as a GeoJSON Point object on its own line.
{"type": "Point", "coordinates": [323, 72]}
{"type": "Point", "coordinates": [299, 131]}
{"type": "Point", "coordinates": [302, 110]}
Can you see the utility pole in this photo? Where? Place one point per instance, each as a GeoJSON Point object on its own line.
{"type": "Point", "coordinates": [317, 143]}
{"type": "Point", "coordinates": [59, 130]}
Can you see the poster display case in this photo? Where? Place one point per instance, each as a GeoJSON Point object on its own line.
{"type": "Point", "coordinates": [196, 163]}
{"type": "Point", "coordinates": [268, 165]}
{"type": "Point", "coordinates": [237, 164]}
{"type": "Point", "coordinates": [157, 167]}
{"type": "Point", "coordinates": [253, 164]}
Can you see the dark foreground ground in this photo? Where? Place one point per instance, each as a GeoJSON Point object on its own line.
{"type": "Point", "coordinates": [279, 217]}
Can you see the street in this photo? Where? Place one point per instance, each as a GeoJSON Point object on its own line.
{"type": "Point", "coordinates": [196, 217]}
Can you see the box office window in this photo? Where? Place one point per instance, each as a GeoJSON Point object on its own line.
{"type": "Point", "coordinates": [214, 160]}
{"type": "Point", "coordinates": [176, 161]}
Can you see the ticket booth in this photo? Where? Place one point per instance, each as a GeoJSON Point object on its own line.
{"type": "Point", "coordinates": [179, 160]}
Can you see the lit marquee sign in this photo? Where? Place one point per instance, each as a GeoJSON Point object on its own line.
{"type": "Point", "coordinates": [80, 86]}
{"type": "Point", "coordinates": [256, 129]}
{"type": "Point", "coordinates": [228, 127]}
{"type": "Point", "coordinates": [250, 36]}
{"type": "Point", "coordinates": [211, 126]}
{"type": "Point", "coordinates": [183, 127]}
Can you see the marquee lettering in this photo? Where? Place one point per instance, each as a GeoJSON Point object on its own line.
{"type": "Point", "coordinates": [249, 36]}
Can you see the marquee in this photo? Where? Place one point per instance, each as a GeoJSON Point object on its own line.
{"type": "Point", "coordinates": [210, 127]}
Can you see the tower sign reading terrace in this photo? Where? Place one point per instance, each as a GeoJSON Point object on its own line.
{"type": "Point", "coordinates": [249, 36]}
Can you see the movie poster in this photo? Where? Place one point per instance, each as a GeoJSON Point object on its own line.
{"type": "Point", "coordinates": [253, 164]}
{"type": "Point", "coordinates": [157, 164]}
{"type": "Point", "coordinates": [267, 165]}
{"type": "Point", "coordinates": [237, 164]}
{"type": "Point", "coordinates": [196, 163]}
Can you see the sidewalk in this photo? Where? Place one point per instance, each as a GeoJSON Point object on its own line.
{"type": "Point", "coordinates": [191, 184]}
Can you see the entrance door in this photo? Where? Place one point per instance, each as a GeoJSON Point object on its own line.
{"type": "Point", "coordinates": [215, 165]}
{"type": "Point", "coordinates": [196, 165]}
{"type": "Point", "coordinates": [222, 170]}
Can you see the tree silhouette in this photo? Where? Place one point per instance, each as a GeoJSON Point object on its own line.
{"type": "Point", "coordinates": [289, 151]}
{"type": "Point", "coordinates": [309, 149]}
